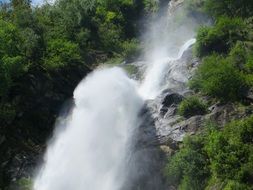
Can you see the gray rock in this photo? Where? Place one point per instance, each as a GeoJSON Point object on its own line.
{"type": "Point", "coordinates": [173, 98]}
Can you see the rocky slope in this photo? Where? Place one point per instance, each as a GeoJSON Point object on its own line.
{"type": "Point", "coordinates": [164, 129]}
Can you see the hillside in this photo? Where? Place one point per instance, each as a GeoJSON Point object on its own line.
{"type": "Point", "coordinates": [196, 134]}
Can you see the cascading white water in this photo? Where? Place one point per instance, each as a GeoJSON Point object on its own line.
{"type": "Point", "coordinates": [152, 84]}
{"type": "Point", "coordinates": [91, 152]}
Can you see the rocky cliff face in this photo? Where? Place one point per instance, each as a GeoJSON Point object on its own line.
{"type": "Point", "coordinates": [163, 130]}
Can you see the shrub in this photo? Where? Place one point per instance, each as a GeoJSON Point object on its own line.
{"type": "Point", "coordinates": [131, 50]}
{"type": "Point", "coordinates": [151, 6]}
{"type": "Point", "coordinates": [238, 55]}
{"type": "Point", "coordinates": [215, 159]}
{"type": "Point", "coordinates": [234, 185]}
{"type": "Point", "coordinates": [220, 79]}
{"type": "Point", "coordinates": [231, 152]}
{"type": "Point", "coordinates": [192, 106]}
{"type": "Point", "coordinates": [249, 64]}
{"type": "Point", "coordinates": [221, 37]}
{"type": "Point", "coordinates": [187, 169]}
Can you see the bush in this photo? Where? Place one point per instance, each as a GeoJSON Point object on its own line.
{"type": "Point", "coordinates": [249, 64]}
{"type": "Point", "coordinates": [187, 169]}
{"type": "Point", "coordinates": [234, 185]}
{"type": "Point", "coordinates": [231, 151]}
{"type": "Point", "coordinates": [215, 159]}
{"type": "Point", "coordinates": [238, 55]}
{"type": "Point", "coordinates": [217, 77]}
{"type": "Point", "coordinates": [221, 37]}
{"type": "Point", "coordinates": [151, 6]}
{"type": "Point", "coordinates": [131, 50]}
{"type": "Point", "coordinates": [192, 106]}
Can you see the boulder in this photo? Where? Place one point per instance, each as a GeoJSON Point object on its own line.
{"type": "Point", "coordinates": [173, 98]}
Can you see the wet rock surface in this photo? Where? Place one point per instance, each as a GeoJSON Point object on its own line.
{"type": "Point", "coordinates": [170, 128]}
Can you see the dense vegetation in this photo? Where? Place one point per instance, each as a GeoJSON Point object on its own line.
{"type": "Point", "coordinates": [220, 157]}
{"type": "Point", "coordinates": [43, 49]}
{"type": "Point", "coordinates": [226, 49]}
{"type": "Point", "coordinates": [44, 52]}
{"type": "Point", "coordinates": [215, 159]}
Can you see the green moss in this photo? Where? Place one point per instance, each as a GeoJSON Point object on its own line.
{"type": "Point", "coordinates": [114, 61]}
{"type": "Point", "coordinates": [21, 184]}
{"type": "Point", "coordinates": [130, 69]}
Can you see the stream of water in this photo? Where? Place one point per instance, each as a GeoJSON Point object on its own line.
{"type": "Point", "coordinates": [92, 149]}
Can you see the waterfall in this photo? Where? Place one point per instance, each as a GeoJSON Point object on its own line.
{"type": "Point", "coordinates": [154, 83]}
{"type": "Point", "coordinates": [93, 146]}
{"type": "Point", "coordinates": [92, 150]}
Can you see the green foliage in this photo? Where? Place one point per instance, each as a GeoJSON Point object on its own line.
{"type": "Point", "coordinates": [7, 113]}
{"type": "Point", "coordinates": [231, 152]}
{"type": "Point", "coordinates": [10, 68]}
{"type": "Point", "coordinates": [61, 53]}
{"type": "Point", "coordinates": [217, 77]}
{"type": "Point", "coordinates": [30, 43]}
{"type": "Point", "coordinates": [249, 64]}
{"type": "Point", "coordinates": [195, 5]}
{"type": "Point", "coordinates": [238, 55]}
{"type": "Point", "coordinates": [9, 38]}
{"type": "Point", "coordinates": [231, 8]}
{"type": "Point", "coordinates": [130, 49]}
{"type": "Point", "coordinates": [227, 74]}
{"type": "Point", "coordinates": [215, 159]}
{"type": "Point", "coordinates": [151, 6]}
{"type": "Point", "coordinates": [130, 69]}
{"type": "Point", "coordinates": [234, 185]}
{"type": "Point", "coordinates": [45, 48]}
{"type": "Point", "coordinates": [187, 169]}
{"type": "Point", "coordinates": [110, 37]}
{"type": "Point", "coordinates": [192, 106]}
{"type": "Point", "coordinates": [221, 37]}
{"type": "Point", "coordinates": [23, 184]}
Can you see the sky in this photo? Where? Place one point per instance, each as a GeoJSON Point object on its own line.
{"type": "Point", "coordinates": [34, 2]}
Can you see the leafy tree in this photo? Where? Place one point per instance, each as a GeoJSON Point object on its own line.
{"type": "Point", "coordinates": [230, 152]}
{"type": "Point", "coordinates": [231, 8]}
{"type": "Point", "coordinates": [9, 39]}
{"type": "Point", "coordinates": [61, 53]}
